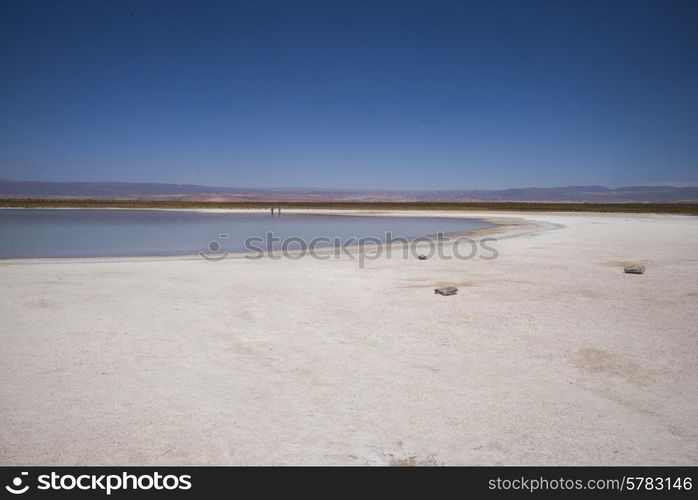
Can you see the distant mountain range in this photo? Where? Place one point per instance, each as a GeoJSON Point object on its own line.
{"type": "Point", "coordinates": [131, 190]}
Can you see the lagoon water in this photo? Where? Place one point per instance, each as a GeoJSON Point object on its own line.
{"type": "Point", "coordinates": [117, 233]}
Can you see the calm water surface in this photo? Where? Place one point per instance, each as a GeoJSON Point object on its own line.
{"type": "Point", "coordinates": [116, 233]}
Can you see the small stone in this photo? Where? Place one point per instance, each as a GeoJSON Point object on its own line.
{"type": "Point", "coordinates": [635, 269]}
{"type": "Point", "coordinates": [446, 290]}
{"type": "Point", "coordinates": [421, 256]}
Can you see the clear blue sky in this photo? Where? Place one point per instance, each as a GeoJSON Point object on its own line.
{"type": "Point", "coordinates": [403, 95]}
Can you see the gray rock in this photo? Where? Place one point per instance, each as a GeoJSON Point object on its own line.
{"type": "Point", "coordinates": [635, 269]}
{"type": "Point", "coordinates": [446, 290]}
{"type": "Point", "coordinates": [421, 256]}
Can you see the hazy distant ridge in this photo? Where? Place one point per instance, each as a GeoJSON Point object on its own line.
{"type": "Point", "coordinates": [191, 191]}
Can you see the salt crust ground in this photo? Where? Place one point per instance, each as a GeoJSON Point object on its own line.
{"type": "Point", "coordinates": [548, 355]}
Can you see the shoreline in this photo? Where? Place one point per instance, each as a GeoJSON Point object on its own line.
{"type": "Point", "coordinates": [504, 226]}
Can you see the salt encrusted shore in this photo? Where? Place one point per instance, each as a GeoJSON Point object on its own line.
{"type": "Point", "coordinates": [549, 354]}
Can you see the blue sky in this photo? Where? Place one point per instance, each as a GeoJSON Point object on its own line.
{"type": "Point", "coordinates": [375, 95]}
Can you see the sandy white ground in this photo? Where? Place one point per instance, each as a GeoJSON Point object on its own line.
{"type": "Point", "coordinates": [549, 354]}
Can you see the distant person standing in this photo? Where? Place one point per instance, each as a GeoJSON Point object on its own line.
{"type": "Point", "coordinates": [272, 211]}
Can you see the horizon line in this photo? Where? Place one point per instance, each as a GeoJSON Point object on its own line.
{"type": "Point", "coordinates": [396, 190]}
